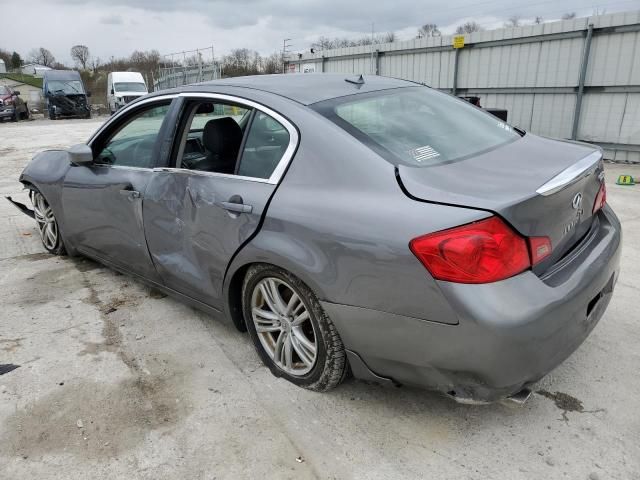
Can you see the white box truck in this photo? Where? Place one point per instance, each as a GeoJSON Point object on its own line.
{"type": "Point", "coordinates": [124, 87]}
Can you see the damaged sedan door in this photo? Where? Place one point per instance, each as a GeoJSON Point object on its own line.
{"type": "Point", "coordinates": [227, 160]}
{"type": "Point", "coordinates": [102, 200]}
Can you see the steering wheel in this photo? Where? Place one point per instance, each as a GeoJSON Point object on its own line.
{"type": "Point", "coordinates": [106, 157]}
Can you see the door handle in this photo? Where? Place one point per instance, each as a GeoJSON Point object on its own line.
{"type": "Point", "coordinates": [236, 207]}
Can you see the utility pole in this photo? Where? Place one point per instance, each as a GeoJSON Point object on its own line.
{"type": "Point", "coordinates": [285, 50]}
{"type": "Point", "coordinates": [372, 41]}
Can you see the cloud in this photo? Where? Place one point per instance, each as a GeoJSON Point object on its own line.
{"type": "Point", "coordinates": [171, 26]}
{"type": "Point", "coordinates": [114, 19]}
{"type": "Point", "coordinates": [349, 15]}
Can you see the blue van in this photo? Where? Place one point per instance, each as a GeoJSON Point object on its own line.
{"type": "Point", "coordinates": [65, 95]}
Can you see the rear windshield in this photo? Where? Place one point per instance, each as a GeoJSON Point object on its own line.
{"type": "Point", "coordinates": [418, 126]}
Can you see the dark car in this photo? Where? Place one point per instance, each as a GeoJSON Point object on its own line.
{"type": "Point", "coordinates": [65, 95]}
{"type": "Point", "coordinates": [370, 224]}
{"type": "Point", "coordinates": [11, 105]}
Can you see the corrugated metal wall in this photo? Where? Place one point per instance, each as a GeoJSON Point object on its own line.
{"type": "Point", "coordinates": [532, 71]}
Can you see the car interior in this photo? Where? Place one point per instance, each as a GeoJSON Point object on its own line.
{"type": "Point", "coordinates": [230, 139]}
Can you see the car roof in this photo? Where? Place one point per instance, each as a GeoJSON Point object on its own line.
{"type": "Point", "coordinates": [62, 75]}
{"type": "Point", "coordinates": [308, 88]}
{"type": "Point", "coordinates": [134, 76]}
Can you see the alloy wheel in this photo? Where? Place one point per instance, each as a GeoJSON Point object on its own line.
{"type": "Point", "coordinates": [284, 327]}
{"type": "Point", "coordinates": [46, 221]}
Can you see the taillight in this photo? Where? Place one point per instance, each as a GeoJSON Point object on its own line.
{"type": "Point", "coordinates": [480, 252]}
{"type": "Point", "coordinates": [540, 248]}
{"type": "Point", "coordinates": [601, 198]}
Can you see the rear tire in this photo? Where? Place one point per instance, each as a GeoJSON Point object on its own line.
{"type": "Point", "coordinates": [47, 224]}
{"type": "Point", "coordinates": [297, 340]}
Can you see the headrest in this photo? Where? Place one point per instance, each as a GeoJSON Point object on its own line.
{"type": "Point", "coordinates": [222, 136]}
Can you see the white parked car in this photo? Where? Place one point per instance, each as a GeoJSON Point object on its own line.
{"type": "Point", "coordinates": [124, 87]}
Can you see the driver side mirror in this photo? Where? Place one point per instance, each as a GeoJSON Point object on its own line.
{"type": "Point", "coordinates": [16, 93]}
{"type": "Point", "coordinates": [80, 154]}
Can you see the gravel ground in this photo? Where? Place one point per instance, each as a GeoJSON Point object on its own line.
{"type": "Point", "coordinates": [118, 381]}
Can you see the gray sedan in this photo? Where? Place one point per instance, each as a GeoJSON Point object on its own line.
{"type": "Point", "coordinates": [370, 226]}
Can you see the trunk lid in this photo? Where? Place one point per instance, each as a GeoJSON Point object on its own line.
{"type": "Point", "coordinates": [508, 181]}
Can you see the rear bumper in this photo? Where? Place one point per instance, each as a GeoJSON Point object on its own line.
{"type": "Point", "coordinates": [510, 333]}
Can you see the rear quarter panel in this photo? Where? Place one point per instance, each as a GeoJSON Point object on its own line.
{"type": "Point", "coordinates": [341, 223]}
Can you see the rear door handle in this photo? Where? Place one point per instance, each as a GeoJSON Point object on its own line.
{"type": "Point", "coordinates": [236, 207]}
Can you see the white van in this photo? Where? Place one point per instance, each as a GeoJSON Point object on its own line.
{"type": "Point", "coordinates": [124, 87]}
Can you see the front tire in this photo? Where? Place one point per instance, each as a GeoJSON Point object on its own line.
{"type": "Point", "coordinates": [291, 332]}
{"type": "Point", "coordinates": [47, 224]}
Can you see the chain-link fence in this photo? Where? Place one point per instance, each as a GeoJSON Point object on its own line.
{"type": "Point", "coordinates": [183, 68]}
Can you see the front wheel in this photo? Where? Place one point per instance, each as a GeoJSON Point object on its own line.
{"type": "Point", "coordinates": [47, 224]}
{"type": "Point", "coordinates": [291, 332]}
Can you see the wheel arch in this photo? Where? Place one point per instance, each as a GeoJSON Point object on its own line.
{"type": "Point", "coordinates": [45, 173]}
{"type": "Point", "coordinates": [287, 256]}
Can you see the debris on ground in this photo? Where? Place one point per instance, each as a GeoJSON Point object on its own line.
{"type": "Point", "coordinates": [7, 367]}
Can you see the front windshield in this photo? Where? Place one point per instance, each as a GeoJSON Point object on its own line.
{"type": "Point", "coordinates": [130, 87]}
{"type": "Point", "coordinates": [4, 90]}
{"type": "Point", "coordinates": [418, 126]}
{"type": "Point", "coordinates": [66, 87]}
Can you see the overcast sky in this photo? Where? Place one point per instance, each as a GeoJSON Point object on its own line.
{"type": "Point", "coordinates": [117, 27]}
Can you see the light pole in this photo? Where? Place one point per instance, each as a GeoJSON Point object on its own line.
{"type": "Point", "coordinates": [285, 50]}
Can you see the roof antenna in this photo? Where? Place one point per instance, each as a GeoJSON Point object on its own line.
{"type": "Point", "coordinates": [355, 81]}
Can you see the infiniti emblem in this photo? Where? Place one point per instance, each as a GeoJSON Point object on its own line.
{"type": "Point", "coordinates": [577, 201]}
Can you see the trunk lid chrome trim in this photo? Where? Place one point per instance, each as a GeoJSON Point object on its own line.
{"type": "Point", "coordinates": [581, 169]}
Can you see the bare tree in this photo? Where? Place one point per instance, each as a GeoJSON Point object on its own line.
{"type": "Point", "coordinates": [538, 20]}
{"type": "Point", "coordinates": [569, 16]}
{"type": "Point", "coordinates": [272, 63]}
{"type": "Point", "coordinates": [513, 21]}
{"type": "Point", "coordinates": [388, 37]}
{"type": "Point", "coordinates": [324, 43]}
{"type": "Point", "coordinates": [42, 56]}
{"type": "Point", "coordinates": [429, 30]}
{"type": "Point", "coordinates": [5, 55]}
{"type": "Point", "coordinates": [95, 64]}
{"type": "Point", "coordinates": [469, 27]}
{"type": "Point", "coordinates": [80, 54]}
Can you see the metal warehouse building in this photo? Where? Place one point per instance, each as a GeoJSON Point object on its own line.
{"type": "Point", "coordinates": [575, 79]}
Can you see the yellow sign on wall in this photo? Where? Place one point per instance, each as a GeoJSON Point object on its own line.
{"type": "Point", "coordinates": [458, 41]}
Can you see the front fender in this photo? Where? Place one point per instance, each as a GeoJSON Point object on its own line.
{"type": "Point", "coordinates": [46, 172]}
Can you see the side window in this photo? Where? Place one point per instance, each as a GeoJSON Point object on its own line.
{"type": "Point", "coordinates": [266, 143]}
{"type": "Point", "coordinates": [212, 137]}
{"type": "Point", "coordinates": [133, 144]}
